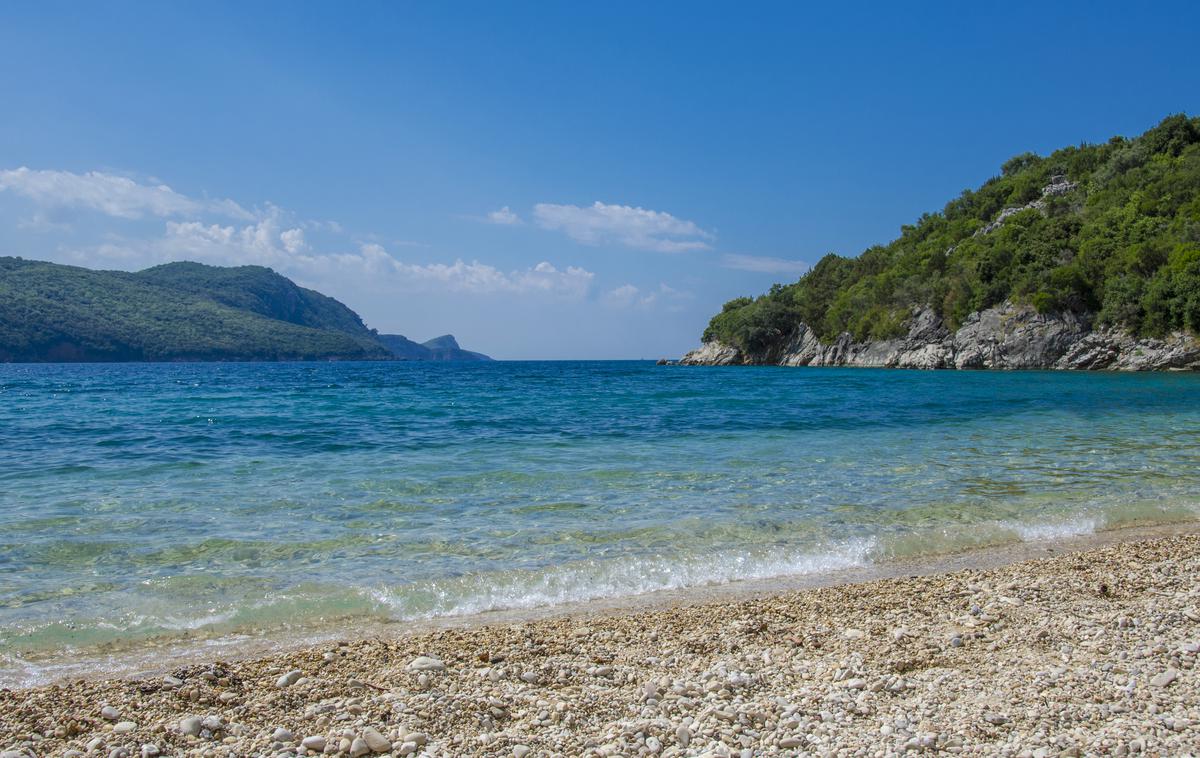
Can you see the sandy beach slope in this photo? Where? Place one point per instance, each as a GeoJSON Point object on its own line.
{"type": "Point", "coordinates": [1089, 652]}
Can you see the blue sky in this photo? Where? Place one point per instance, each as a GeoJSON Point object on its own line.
{"type": "Point", "coordinates": [544, 180]}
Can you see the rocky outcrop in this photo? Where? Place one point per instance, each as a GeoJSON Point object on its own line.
{"type": "Point", "coordinates": [1119, 351]}
{"type": "Point", "coordinates": [714, 354]}
{"type": "Point", "coordinates": [1005, 337]}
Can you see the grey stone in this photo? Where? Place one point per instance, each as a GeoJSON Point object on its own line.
{"type": "Point", "coordinates": [315, 743]}
{"type": "Point", "coordinates": [376, 741]}
{"type": "Point", "coordinates": [288, 679]}
{"type": "Point", "coordinates": [191, 726]}
{"type": "Point", "coordinates": [426, 663]}
{"type": "Point", "coordinates": [1007, 336]}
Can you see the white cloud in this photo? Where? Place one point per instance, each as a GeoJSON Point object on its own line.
{"type": "Point", "coordinates": [624, 296]}
{"type": "Point", "coordinates": [264, 243]}
{"type": "Point", "coordinates": [764, 264]}
{"type": "Point", "coordinates": [638, 228]}
{"type": "Point", "coordinates": [112, 195]}
{"type": "Point", "coordinates": [480, 278]}
{"type": "Point", "coordinates": [293, 240]}
{"type": "Point", "coordinates": [630, 296]}
{"type": "Point", "coordinates": [271, 237]}
{"type": "Point", "coordinates": [504, 217]}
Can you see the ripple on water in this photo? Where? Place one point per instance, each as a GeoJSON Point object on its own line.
{"type": "Point", "coordinates": [147, 501]}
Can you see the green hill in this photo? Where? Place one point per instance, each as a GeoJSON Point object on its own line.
{"type": "Point", "coordinates": [259, 290]}
{"type": "Point", "coordinates": [182, 311]}
{"type": "Point", "coordinates": [1111, 231]}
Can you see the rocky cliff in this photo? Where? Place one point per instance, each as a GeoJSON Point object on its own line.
{"type": "Point", "coordinates": [1005, 337]}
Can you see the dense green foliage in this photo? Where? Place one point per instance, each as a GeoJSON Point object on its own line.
{"type": "Point", "coordinates": [52, 312]}
{"type": "Point", "coordinates": [1122, 243]}
{"type": "Point", "coordinates": [260, 290]}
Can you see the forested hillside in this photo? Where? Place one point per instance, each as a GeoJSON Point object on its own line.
{"type": "Point", "coordinates": [1111, 231]}
{"type": "Point", "coordinates": [50, 312]}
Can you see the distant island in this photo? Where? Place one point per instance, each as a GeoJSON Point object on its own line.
{"type": "Point", "coordinates": [1086, 259]}
{"type": "Point", "coordinates": [186, 312]}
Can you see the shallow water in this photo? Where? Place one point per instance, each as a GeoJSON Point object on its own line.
{"type": "Point", "coordinates": [139, 501]}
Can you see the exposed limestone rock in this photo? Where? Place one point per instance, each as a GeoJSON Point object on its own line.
{"type": "Point", "coordinates": [1119, 350]}
{"type": "Point", "coordinates": [1014, 337]}
{"type": "Point", "coordinates": [713, 354]}
{"type": "Point", "coordinates": [1005, 337]}
{"type": "Point", "coordinates": [1058, 186]}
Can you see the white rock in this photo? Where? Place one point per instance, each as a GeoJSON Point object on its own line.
{"type": "Point", "coordinates": [316, 743]}
{"type": "Point", "coordinates": [1165, 678]}
{"type": "Point", "coordinates": [150, 750]}
{"type": "Point", "coordinates": [520, 751]}
{"type": "Point", "coordinates": [190, 725]}
{"type": "Point", "coordinates": [212, 723]}
{"type": "Point", "coordinates": [124, 727]}
{"type": "Point", "coordinates": [108, 713]}
{"type": "Point", "coordinates": [288, 679]}
{"type": "Point", "coordinates": [684, 735]}
{"type": "Point", "coordinates": [426, 663]}
{"type": "Point", "coordinates": [376, 741]}
{"type": "Point", "coordinates": [282, 735]}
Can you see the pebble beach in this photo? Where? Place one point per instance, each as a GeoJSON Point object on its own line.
{"type": "Point", "coordinates": [1081, 653]}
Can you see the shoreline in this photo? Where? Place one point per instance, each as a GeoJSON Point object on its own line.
{"type": "Point", "coordinates": [156, 655]}
{"type": "Point", "coordinates": [1087, 644]}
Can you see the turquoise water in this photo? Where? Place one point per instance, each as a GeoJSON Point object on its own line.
{"type": "Point", "coordinates": [149, 500]}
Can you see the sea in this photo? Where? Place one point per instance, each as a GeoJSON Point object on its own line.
{"type": "Point", "coordinates": [207, 501]}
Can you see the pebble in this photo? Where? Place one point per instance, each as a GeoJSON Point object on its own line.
{"type": "Point", "coordinates": [521, 751]}
{"type": "Point", "coordinates": [283, 735]}
{"type": "Point", "coordinates": [124, 727]}
{"type": "Point", "coordinates": [315, 743]}
{"type": "Point", "coordinates": [288, 679]}
{"type": "Point", "coordinates": [108, 713]}
{"type": "Point", "coordinates": [1165, 678]}
{"type": "Point", "coordinates": [190, 725]}
{"type": "Point", "coordinates": [426, 663]}
{"type": "Point", "coordinates": [684, 736]}
{"type": "Point", "coordinates": [359, 748]}
{"type": "Point", "coordinates": [376, 741]}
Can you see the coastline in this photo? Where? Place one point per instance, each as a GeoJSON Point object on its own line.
{"type": "Point", "coordinates": [853, 653]}
{"type": "Point", "coordinates": [1008, 336]}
